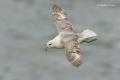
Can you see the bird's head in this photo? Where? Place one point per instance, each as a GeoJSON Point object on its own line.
{"type": "Point", "coordinates": [51, 44]}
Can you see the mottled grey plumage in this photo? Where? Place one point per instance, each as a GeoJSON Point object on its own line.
{"type": "Point", "coordinates": [67, 38]}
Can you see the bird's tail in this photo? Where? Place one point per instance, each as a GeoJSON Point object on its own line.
{"type": "Point", "coordinates": [87, 36]}
{"type": "Point", "coordinates": [59, 12]}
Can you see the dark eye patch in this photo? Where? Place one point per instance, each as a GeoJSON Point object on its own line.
{"type": "Point", "coordinates": [50, 44]}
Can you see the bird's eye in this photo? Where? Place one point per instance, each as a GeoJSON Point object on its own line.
{"type": "Point", "coordinates": [50, 44]}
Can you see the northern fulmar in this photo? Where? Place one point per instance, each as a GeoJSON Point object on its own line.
{"type": "Point", "coordinates": [67, 38]}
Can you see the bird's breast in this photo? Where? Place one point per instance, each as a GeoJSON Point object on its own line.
{"type": "Point", "coordinates": [58, 42]}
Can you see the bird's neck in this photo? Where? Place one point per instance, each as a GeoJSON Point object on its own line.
{"type": "Point", "coordinates": [57, 41]}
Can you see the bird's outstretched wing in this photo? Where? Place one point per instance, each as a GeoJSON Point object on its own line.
{"type": "Point", "coordinates": [60, 19]}
{"type": "Point", "coordinates": [72, 48]}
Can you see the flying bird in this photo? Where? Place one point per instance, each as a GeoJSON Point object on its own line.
{"type": "Point", "coordinates": [67, 38]}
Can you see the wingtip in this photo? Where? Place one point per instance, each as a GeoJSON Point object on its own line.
{"type": "Point", "coordinates": [59, 12]}
{"type": "Point", "coordinates": [78, 62]}
{"type": "Point", "coordinates": [75, 59]}
{"type": "Point", "coordinates": [55, 6]}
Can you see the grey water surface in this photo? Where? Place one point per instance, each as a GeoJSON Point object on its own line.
{"type": "Point", "coordinates": [26, 26]}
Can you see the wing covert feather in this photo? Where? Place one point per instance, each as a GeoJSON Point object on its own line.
{"type": "Point", "coordinates": [72, 48]}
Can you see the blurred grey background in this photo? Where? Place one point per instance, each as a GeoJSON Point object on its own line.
{"type": "Point", "coordinates": [26, 26]}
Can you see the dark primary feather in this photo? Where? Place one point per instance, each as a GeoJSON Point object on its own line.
{"type": "Point", "coordinates": [57, 11]}
{"type": "Point", "coordinates": [62, 24]}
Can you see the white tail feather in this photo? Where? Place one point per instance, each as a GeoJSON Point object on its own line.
{"type": "Point", "coordinates": [87, 36]}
